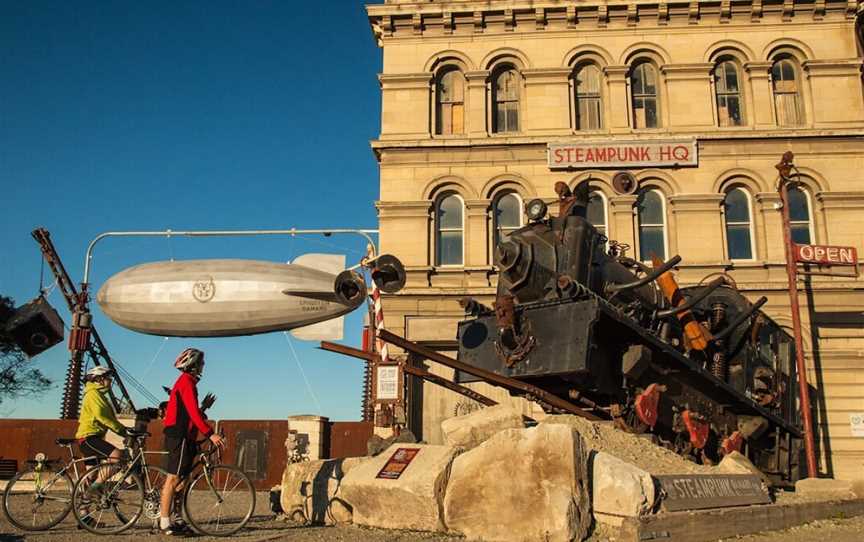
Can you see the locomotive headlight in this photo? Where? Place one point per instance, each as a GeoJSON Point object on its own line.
{"type": "Point", "coordinates": [536, 210]}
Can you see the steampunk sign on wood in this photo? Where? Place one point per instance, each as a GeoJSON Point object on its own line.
{"type": "Point", "coordinates": [695, 491]}
{"type": "Point", "coordinates": [824, 254]}
{"type": "Point", "coordinates": [623, 154]}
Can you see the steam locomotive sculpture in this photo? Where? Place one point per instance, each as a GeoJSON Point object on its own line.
{"type": "Point", "coordinates": [701, 368]}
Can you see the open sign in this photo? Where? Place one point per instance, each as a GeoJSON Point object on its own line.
{"type": "Point", "coordinates": [826, 254]}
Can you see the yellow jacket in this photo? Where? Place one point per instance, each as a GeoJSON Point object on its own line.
{"type": "Point", "coordinates": [97, 416]}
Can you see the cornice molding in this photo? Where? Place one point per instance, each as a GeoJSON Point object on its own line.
{"type": "Point", "coordinates": [691, 203]}
{"type": "Point", "coordinates": [397, 19]}
{"type": "Point", "coordinates": [680, 72]}
{"type": "Point", "coordinates": [829, 68]}
{"type": "Point", "coordinates": [405, 80]}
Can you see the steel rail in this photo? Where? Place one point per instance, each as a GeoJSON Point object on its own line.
{"type": "Point", "coordinates": [498, 380]}
{"type": "Point", "coordinates": [414, 371]}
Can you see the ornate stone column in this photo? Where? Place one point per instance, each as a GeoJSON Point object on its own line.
{"type": "Point", "coordinates": [618, 108]}
{"type": "Point", "coordinates": [762, 108]}
{"type": "Point", "coordinates": [477, 123]}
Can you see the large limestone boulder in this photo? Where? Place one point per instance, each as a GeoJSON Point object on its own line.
{"type": "Point", "coordinates": [737, 463]}
{"type": "Point", "coordinates": [826, 488]}
{"type": "Point", "coordinates": [311, 491]}
{"type": "Point", "coordinates": [619, 489]}
{"type": "Point", "coordinates": [521, 485]}
{"type": "Point", "coordinates": [412, 501]}
{"type": "Point", "coordinates": [470, 430]}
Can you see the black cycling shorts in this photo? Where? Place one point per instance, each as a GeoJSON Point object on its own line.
{"type": "Point", "coordinates": [181, 451]}
{"type": "Point", "coordinates": [96, 447]}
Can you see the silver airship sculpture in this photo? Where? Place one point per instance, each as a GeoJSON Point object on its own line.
{"type": "Point", "coordinates": [230, 297]}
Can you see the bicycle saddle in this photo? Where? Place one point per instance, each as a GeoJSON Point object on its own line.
{"type": "Point", "coordinates": [66, 441]}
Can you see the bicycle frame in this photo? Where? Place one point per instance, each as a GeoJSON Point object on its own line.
{"type": "Point", "coordinates": [39, 464]}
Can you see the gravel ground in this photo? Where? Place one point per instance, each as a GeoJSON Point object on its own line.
{"type": "Point", "coordinates": [263, 526]}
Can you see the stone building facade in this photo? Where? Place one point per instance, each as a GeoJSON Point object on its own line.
{"type": "Point", "coordinates": [486, 104]}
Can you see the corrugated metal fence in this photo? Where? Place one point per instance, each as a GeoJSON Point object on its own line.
{"type": "Point", "coordinates": [256, 446]}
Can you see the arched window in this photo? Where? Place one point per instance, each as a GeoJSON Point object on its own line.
{"type": "Point", "coordinates": [507, 216]}
{"type": "Point", "coordinates": [450, 102]}
{"type": "Point", "coordinates": [739, 228]}
{"type": "Point", "coordinates": [799, 216]}
{"type": "Point", "coordinates": [505, 100]}
{"type": "Point", "coordinates": [728, 90]}
{"type": "Point", "coordinates": [787, 92]}
{"type": "Point", "coordinates": [586, 95]}
{"type": "Point", "coordinates": [448, 230]}
{"type": "Point", "coordinates": [597, 211]}
{"type": "Point", "coordinates": [644, 88]}
{"type": "Point", "coordinates": [651, 213]}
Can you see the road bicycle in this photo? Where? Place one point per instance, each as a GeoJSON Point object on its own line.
{"type": "Point", "coordinates": [40, 496]}
{"type": "Point", "coordinates": [217, 500]}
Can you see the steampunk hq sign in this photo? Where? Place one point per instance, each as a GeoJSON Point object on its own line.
{"type": "Point", "coordinates": [622, 154]}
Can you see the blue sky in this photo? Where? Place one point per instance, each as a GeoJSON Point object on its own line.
{"type": "Point", "coordinates": [189, 115]}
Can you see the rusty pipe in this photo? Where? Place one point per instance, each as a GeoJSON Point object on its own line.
{"type": "Point", "coordinates": [741, 317]}
{"type": "Point", "coordinates": [650, 277]}
{"type": "Point", "coordinates": [693, 301]}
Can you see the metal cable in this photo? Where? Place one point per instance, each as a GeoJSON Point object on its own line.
{"type": "Point", "coordinates": [303, 373]}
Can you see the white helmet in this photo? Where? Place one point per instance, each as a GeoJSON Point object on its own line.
{"type": "Point", "coordinates": [97, 372]}
{"type": "Point", "coordinates": [189, 359]}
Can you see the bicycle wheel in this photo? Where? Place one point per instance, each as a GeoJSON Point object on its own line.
{"type": "Point", "coordinates": [219, 504]}
{"type": "Point", "coordinates": [38, 499]}
{"type": "Point", "coordinates": [108, 500]}
{"type": "Point", "coordinates": [153, 478]}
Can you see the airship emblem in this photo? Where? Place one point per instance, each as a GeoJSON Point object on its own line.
{"type": "Point", "coordinates": [204, 289]}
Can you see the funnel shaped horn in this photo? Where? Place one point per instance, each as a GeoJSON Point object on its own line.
{"type": "Point", "coordinates": [350, 288]}
{"type": "Point", "coordinates": [388, 273]}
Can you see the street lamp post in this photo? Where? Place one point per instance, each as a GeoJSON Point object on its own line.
{"type": "Point", "coordinates": [785, 168]}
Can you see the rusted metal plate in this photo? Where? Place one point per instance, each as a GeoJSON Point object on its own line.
{"type": "Point", "coordinates": [348, 439]}
{"type": "Point", "coordinates": [698, 491]}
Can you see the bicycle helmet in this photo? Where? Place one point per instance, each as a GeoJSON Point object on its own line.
{"type": "Point", "coordinates": [97, 372]}
{"type": "Point", "coordinates": [189, 359]}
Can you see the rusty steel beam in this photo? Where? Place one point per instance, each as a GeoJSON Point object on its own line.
{"type": "Point", "coordinates": [785, 168]}
{"type": "Point", "coordinates": [414, 371]}
{"type": "Point", "coordinates": [348, 351]}
{"type": "Point", "coordinates": [96, 348]}
{"type": "Point", "coordinates": [452, 386]}
{"type": "Point", "coordinates": [498, 380]}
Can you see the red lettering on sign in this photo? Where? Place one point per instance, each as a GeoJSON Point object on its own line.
{"type": "Point", "coordinates": [824, 254]}
{"type": "Point", "coordinates": [665, 153]}
{"type": "Point", "coordinates": [645, 155]}
{"type": "Point", "coordinates": [578, 154]}
{"type": "Point", "coordinates": [681, 152]}
{"type": "Point", "coordinates": [558, 156]}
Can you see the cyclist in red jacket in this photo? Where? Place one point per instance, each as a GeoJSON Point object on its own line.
{"type": "Point", "coordinates": [183, 421]}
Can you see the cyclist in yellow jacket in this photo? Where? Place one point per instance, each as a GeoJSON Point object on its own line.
{"type": "Point", "coordinates": [97, 417]}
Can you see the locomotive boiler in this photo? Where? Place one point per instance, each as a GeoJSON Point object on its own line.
{"type": "Point", "coordinates": [700, 368]}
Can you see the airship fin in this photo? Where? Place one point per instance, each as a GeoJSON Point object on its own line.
{"type": "Point", "coordinates": [328, 330]}
{"type": "Point", "coordinates": [329, 263]}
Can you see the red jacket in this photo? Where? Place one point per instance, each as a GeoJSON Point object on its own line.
{"type": "Point", "coordinates": [183, 417]}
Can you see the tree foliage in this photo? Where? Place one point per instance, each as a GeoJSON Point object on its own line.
{"type": "Point", "coordinates": [18, 377]}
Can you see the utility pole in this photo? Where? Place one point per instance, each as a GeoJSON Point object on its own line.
{"type": "Point", "coordinates": [785, 168]}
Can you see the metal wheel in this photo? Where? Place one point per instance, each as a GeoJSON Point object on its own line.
{"type": "Point", "coordinates": [38, 498]}
{"type": "Point", "coordinates": [219, 501]}
{"type": "Point", "coordinates": [112, 505]}
{"type": "Point", "coordinates": [153, 478]}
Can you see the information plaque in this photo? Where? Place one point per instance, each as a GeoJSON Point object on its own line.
{"type": "Point", "coordinates": [397, 463]}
